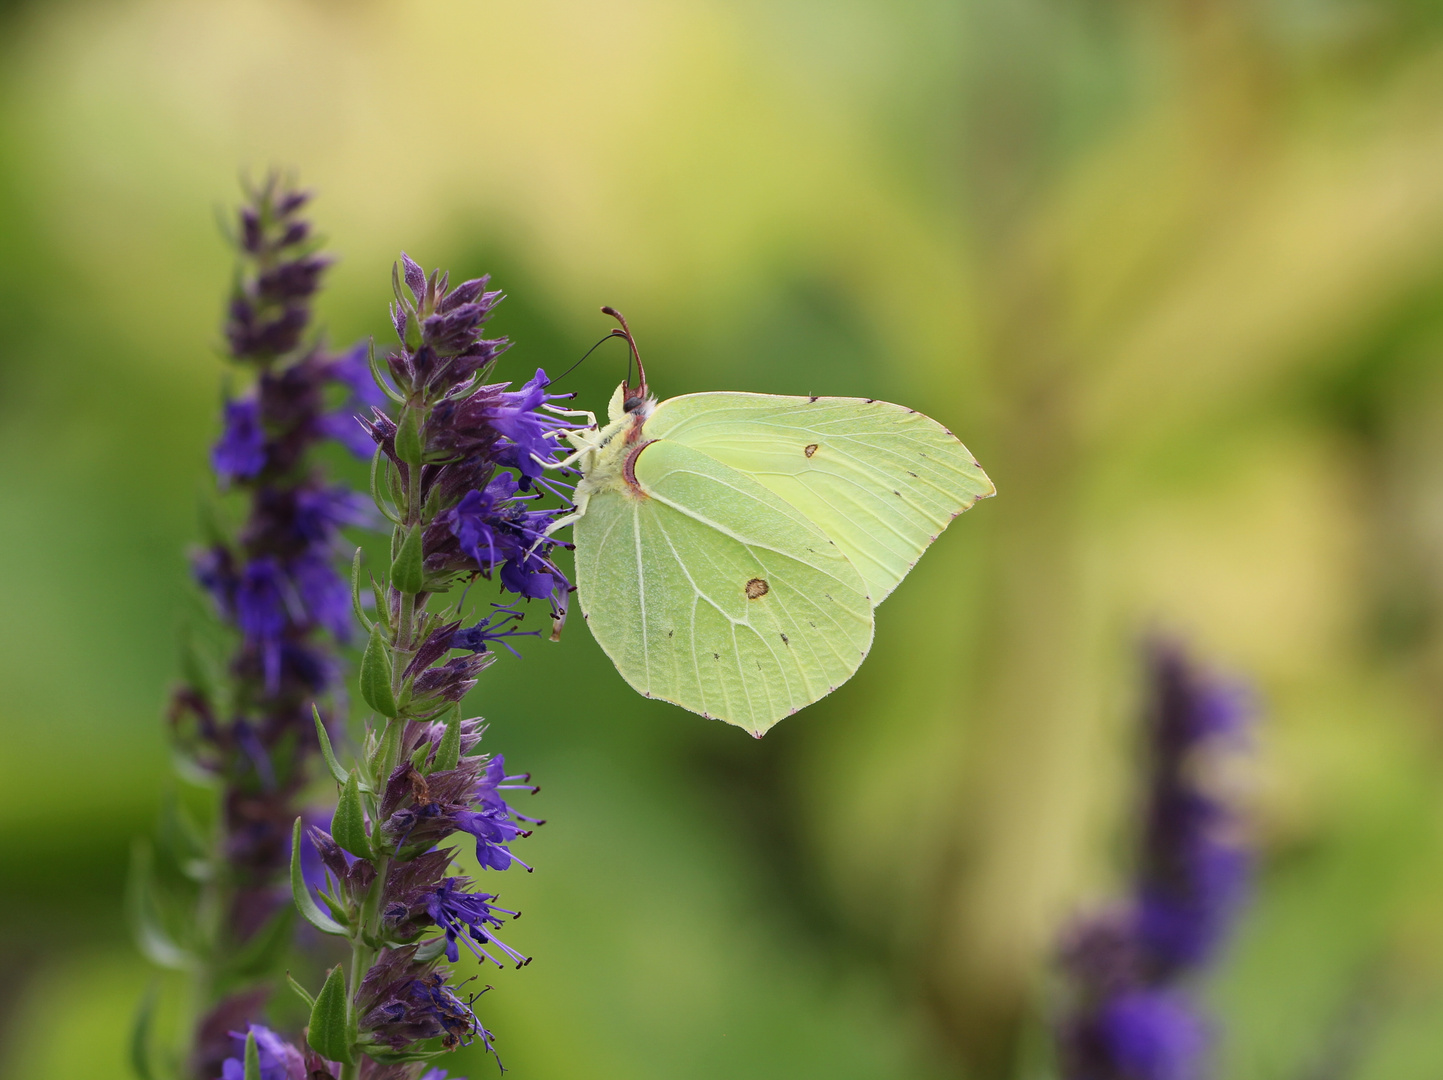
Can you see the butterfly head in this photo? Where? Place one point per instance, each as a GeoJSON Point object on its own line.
{"type": "Point", "coordinates": [637, 405]}
{"type": "Point", "coordinates": [627, 404]}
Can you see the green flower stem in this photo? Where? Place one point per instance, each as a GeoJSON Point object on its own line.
{"type": "Point", "coordinates": [404, 640]}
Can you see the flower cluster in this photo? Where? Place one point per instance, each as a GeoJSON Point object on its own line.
{"type": "Point", "coordinates": [1133, 1018]}
{"type": "Point", "coordinates": [471, 452]}
{"type": "Point", "coordinates": [273, 579]}
{"type": "Point", "coordinates": [459, 473]}
{"type": "Point", "coordinates": [273, 1058]}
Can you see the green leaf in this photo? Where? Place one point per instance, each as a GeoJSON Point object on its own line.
{"type": "Point", "coordinates": [407, 573]}
{"type": "Point", "coordinates": [356, 607]}
{"type": "Point", "coordinates": [150, 935]}
{"type": "Point", "coordinates": [382, 609]}
{"type": "Point", "coordinates": [177, 836]}
{"type": "Point", "coordinates": [377, 460]}
{"type": "Point", "coordinates": [302, 895]}
{"type": "Point", "coordinates": [301, 991]}
{"type": "Point", "coordinates": [386, 754]}
{"type": "Point", "coordinates": [348, 823]}
{"type": "Point", "coordinates": [376, 675]}
{"type": "Point", "coordinates": [408, 437]}
{"type": "Point", "coordinates": [140, 1036]}
{"type": "Point", "coordinates": [338, 907]}
{"type": "Point", "coordinates": [253, 1057]}
{"type": "Point", "coordinates": [379, 375]}
{"type": "Point", "coordinates": [329, 1033]}
{"type": "Point", "coordinates": [263, 950]}
{"type": "Point", "coordinates": [429, 950]}
{"type": "Point", "coordinates": [448, 754]}
{"type": "Point", "coordinates": [339, 774]}
{"type": "Point", "coordinates": [197, 665]}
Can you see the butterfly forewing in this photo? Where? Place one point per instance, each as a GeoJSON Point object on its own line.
{"type": "Point", "coordinates": [708, 590]}
{"type": "Point", "coordinates": [879, 479]}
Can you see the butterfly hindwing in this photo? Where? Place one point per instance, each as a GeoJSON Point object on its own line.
{"type": "Point", "coordinates": [708, 590]}
{"type": "Point", "coordinates": [881, 480]}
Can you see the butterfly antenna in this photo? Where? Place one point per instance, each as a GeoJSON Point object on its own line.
{"type": "Point", "coordinates": [625, 332]}
{"type": "Point", "coordinates": [610, 334]}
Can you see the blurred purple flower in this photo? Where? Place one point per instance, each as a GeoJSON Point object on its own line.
{"type": "Point", "coordinates": [1132, 1020]}
{"type": "Point", "coordinates": [279, 1060]}
{"type": "Point", "coordinates": [241, 450]}
{"type": "Point", "coordinates": [1152, 1035]}
{"type": "Point", "coordinates": [353, 371]}
{"type": "Point", "coordinates": [326, 597]}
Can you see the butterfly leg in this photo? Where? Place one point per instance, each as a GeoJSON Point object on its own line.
{"type": "Point", "coordinates": [581, 498]}
{"type": "Point", "coordinates": [584, 441]}
{"type": "Point", "coordinates": [590, 416]}
{"type": "Point", "coordinates": [564, 463]}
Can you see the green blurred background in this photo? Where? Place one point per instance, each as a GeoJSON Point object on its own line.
{"type": "Point", "coordinates": [1173, 269]}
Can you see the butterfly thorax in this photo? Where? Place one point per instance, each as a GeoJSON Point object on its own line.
{"type": "Point", "coordinates": [610, 451]}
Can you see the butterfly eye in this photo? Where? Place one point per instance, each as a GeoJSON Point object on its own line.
{"type": "Point", "coordinates": [631, 404]}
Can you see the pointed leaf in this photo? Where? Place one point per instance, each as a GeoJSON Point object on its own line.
{"type": "Point", "coordinates": [177, 836]}
{"type": "Point", "coordinates": [253, 1057]}
{"type": "Point", "coordinates": [332, 765]}
{"type": "Point", "coordinates": [381, 503]}
{"type": "Point", "coordinates": [329, 1033]}
{"type": "Point", "coordinates": [387, 753]}
{"type": "Point", "coordinates": [150, 935]}
{"type": "Point", "coordinates": [140, 1036]}
{"type": "Point", "coordinates": [379, 374]}
{"type": "Point", "coordinates": [348, 824]}
{"type": "Point", "coordinates": [309, 909]}
{"type": "Point", "coordinates": [408, 437]}
{"type": "Point", "coordinates": [448, 754]}
{"type": "Point", "coordinates": [376, 675]}
{"type": "Point", "coordinates": [356, 605]}
{"type": "Point", "coordinates": [382, 608]}
{"type": "Point", "coordinates": [429, 950]}
{"type": "Point", "coordinates": [407, 573]}
{"type": "Point", "coordinates": [301, 991]}
{"type": "Point", "coordinates": [338, 909]}
{"type": "Point", "coordinates": [263, 950]}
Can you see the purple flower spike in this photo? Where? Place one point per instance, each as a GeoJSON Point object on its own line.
{"type": "Point", "coordinates": [458, 475]}
{"type": "Point", "coordinates": [274, 582]}
{"type": "Point", "coordinates": [1132, 1020]}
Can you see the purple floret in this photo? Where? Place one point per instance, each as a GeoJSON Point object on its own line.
{"type": "Point", "coordinates": [470, 918]}
{"type": "Point", "coordinates": [241, 449]}
{"type": "Point", "coordinates": [1152, 1035]}
{"type": "Point", "coordinates": [279, 1060]}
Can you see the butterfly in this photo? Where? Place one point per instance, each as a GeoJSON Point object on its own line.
{"type": "Point", "coordinates": [731, 547]}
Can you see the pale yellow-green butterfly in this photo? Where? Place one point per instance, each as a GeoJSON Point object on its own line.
{"type": "Point", "coordinates": [730, 547]}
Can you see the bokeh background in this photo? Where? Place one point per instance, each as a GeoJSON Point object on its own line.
{"type": "Point", "coordinates": [1172, 268]}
